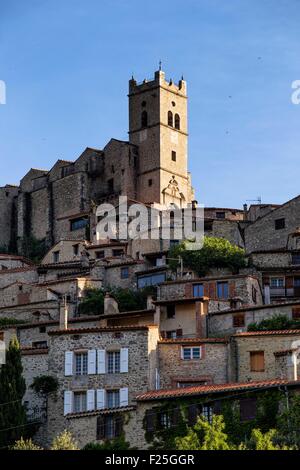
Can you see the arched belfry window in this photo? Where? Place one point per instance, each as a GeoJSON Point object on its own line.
{"type": "Point", "coordinates": [170, 118]}
{"type": "Point", "coordinates": [177, 121]}
{"type": "Point", "coordinates": [144, 120]}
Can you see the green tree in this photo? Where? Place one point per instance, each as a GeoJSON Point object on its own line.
{"type": "Point", "coordinates": [205, 436]}
{"type": "Point", "coordinates": [112, 445]}
{"type": "Point", "coordinates": [276, 322]}
{"type": "Point", "coordinates": [215, 253]}
{"type": "Point", "coordinates": [26, 444]}
{"type": "Point", "coordinates": [33, 248]}
{"type": "Point", "coordinates": [263, 441]}
{"type": "Point", "coordinates": [64, 441]}
{"type": "Point", "coordinates": [289, 423]}
{"type": "Point", "coordinates": [12, 390]}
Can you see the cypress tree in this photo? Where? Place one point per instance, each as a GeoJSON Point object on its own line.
{"type": "Point", "coordinates": [12, 390]}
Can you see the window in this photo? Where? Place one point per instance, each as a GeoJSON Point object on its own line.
{"type": "Point", "coordinates": [113, 362]}
{"type": "Point", "coordinates": [100, 254]}
{"type": "Point", "coordinates": [39, 344]}
{"type": "Point", "coordinates": [191, 353]}
{"type": "Point", "coordinates": [144, 119]}
{"type": "Point", "coordinates": [55, 256]}
{"type": "Point", "coordinates": [165, 420]}
{"type": "Point", "coordinates": [296, 313]}
{"type": "Point", "coordinates": [113, 398]}
{"type": "Point", "coordinates": [79, 402]}
{"type": "Point", "coordinates": [279, 224]}
{"type": "Point", "coordinates": [220, 215]}
{"type": "Point", "coordinates": [42, 329]}
{"type": "Point", "coordinates": [76, 249]}
{"type": "Point", "coordinates": [207, 413]}
{"type": "Point", "coordinates": [277, 282]}
{"type": "Point", "coordinates": [109, 427]}
{"type": "Point", "coordinates": [296, 258]}
{"type": "Point", "coordinates": [150, 280]}
{"type": "Point", "coordinates": [173, 156]}
{"type": "Point", "coordinates": [143, 104]}
{"type": "Point", "coordinates": [173, 243]}
{"type": "Point", "coordinates": [247, 409]}
{"type": "Point", "coordinates": [257, 361]}
{"type": "Point", "coordinates": [177, 121]}
{"type": "Point", "coordinates": [150, 182]}
{"type": "Point", "coordinates": [110, 185]}
{"type": "Point", "coordinates": [125, 273]}
{"type": "Point", "coordinates": [238, 320]}
{"type": "Point", "coordinates": [198, 290]}
{"type": "Point", "coordinates": [81, 363]}
{"type": "Point", "coordinates": [171, 311]}
{"type": "Point", "coordinates": [118, 252]}
{"type": "Point", "coordinates": [171, 334]}
{"type": "Point", "coordinates": [79, 223]}
{"type": "Point", "coordinates": [222, 290]}
{"type": "Point", "coordinates": [170, 118]}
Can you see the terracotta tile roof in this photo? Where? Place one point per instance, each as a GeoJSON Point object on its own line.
{"type": "Point", "coordinates": [208, 389]}
{"type": "Point", "coordinates": [83, 414]}
{"type": "Point", "coordinates": [27, 351]}
{"type": "Point", "coordinates": [181, 300]}
{"type": "Point", "coordinates": [268, 333]}
{"type": "Point", "coordinates": [193, 340]}
{"type": "Point", "coordinates": [246, 308]}
{"type": "Point", "coordinates": [78, 331]}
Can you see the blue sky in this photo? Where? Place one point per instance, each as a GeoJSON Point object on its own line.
{"type": "Point", "coordinates": [66, 65]}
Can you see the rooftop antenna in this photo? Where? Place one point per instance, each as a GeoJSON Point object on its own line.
{"type": "Point", "coordinates": [258, 200]}
{"type": "Point", "coordinates": [159, 65]}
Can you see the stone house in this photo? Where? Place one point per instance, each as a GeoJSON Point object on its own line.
{"type": "Point", "coordinates": [253, 354]}
{"type": "Point", "coordinates": [100, 371]}
{"type": "Point", "coordinates": [236, 320]}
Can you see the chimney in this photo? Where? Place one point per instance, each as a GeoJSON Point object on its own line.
{"type": "Point", "coordinates": [245, 207]}
{"type": "Point", "coordinates": [110, 304]}
{"type": "Point", "coordinates": [63, 315]}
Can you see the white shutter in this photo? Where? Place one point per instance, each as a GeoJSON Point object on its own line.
{"type": "Point", "coordinates": [123, 396]}
{"type": "Point", "coordinates": [90, 400]}
{"type": "Point", "coordinates": [124, 360]}
{"type": "Point", "coordinates": [100, 399]}
{"type": "Point", "coordinates": [92, 361]}
{"type": "Point", "coordinates": [68, 402]}
{"type": "Point", "coordinates": [69, 363]}
{"type": "Point", "coordinates": [101, 361]}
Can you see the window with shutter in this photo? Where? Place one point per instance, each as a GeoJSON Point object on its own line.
{"type": "Point", "coordinates": [238, 320]}
{"type": "Point", "coordinates": [296, 313]}
{"type": "Point", "coordinates": [101, 361]}
{"type": "Point", "coordinates": [123, 396]}
{"type": "Point", "coordinates": [92, 361]}
{"type": "Point", "coordinates": [257, 361]}
{"type": "Point", "coordinates": [68, 363]}
{"type": "Point", "coordinates": [247, 409]}
{"type": "Point", "coordinates": [150, 420]}
{"type": "Point", "coordinates": [124, 360]}
{"type": "Point", "coordinates": [100, 399]}
{"type": "Point", "coordinates": [68, 402]}
{"type": "Point", "coordinates": [90, 400]}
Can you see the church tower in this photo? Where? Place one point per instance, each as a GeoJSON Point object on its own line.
{"type": "Point", "coordinates": [158, 126]}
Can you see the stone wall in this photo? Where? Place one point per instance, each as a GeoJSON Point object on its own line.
{"type": "Point", "coordinates": [210, 368]}
{"type": "Point", "coordinates": [241, 346]}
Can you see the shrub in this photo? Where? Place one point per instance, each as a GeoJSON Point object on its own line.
{"type": "Point", "coordinates": [26, 444]}
{"type": "Point", "coordinates": [45, 384]}
{"type": "Point", "coordinates": [215, 253]}
{"type": "Point", "coordinates": [113, 445]}
{"type": "Point", "coordinates": [277, 322]}
{"type": "Point", "coordinates": [64, 441]}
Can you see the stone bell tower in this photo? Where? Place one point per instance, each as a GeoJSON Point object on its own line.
{"type": "Point", "coordinates": [158, 126]}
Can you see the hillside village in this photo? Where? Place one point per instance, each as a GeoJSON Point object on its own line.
{"type": "Point", "coordinates": [127, 334]}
